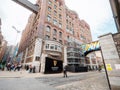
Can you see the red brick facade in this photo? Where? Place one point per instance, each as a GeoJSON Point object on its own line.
{"type": "Point", "coordinates": [55, 22]}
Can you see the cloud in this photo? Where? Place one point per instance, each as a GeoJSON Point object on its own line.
{"type": "Point", "coordinates": [12, 14]}
{"type": "Point", "coordinates": [97, 13]}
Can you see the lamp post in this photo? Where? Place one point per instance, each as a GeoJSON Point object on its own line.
{"type": "Point", "coordinates": [16, 47]}
{"type": "Point", "coordinates": [15, 29]}
{"type": "Point", "coordinates": [106, 70]}
{"type": "Point", "coordinates": [17, 33]}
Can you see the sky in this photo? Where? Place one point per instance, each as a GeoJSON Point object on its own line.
{"type": "Point", "coordinates": [97, 13]}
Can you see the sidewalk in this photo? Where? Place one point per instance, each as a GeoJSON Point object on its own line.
{"type": "Point", "coordinates": [20, 84]}
{"type": "Point", "coordinates": [98, 83]}
{"type": "Point", "coordinates": [18, 74]}
{"type": "Point", "coordinates": [25, 74]}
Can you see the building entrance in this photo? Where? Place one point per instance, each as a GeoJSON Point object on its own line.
{"type": "Point", "coordinates": [53, 66]}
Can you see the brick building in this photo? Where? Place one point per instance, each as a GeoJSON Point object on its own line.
{"type": "Point", "coordinates": [3, 49]}
{"type": "Point", "coordinates": [1, 37]}
{"type": "Point", "coordinates": [48, 33]}
{"type": "Point", "coordinates": [3, 44]}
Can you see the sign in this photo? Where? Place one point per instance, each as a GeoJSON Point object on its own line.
{"type": "Point", "coordinates": [117, 66]}
{"type": "Point", "coordinates": [54, 62]}
{"type": "Point", "coordinates": [108, 67]}
{"type": "Point", "coordinates": [53, 66]}
{"type": "Point", "coordinates": [91, 46]}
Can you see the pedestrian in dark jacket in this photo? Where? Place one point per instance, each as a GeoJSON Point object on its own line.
{"type": "Point", "coordinates": [30, 68]}
{"type": "Point", "coordinates": [65, 71]}
{"type": "Point", "coordinates": [34, 69]}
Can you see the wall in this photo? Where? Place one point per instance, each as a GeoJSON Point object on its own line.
{"type": "Point", "coordinates": [111, 59]}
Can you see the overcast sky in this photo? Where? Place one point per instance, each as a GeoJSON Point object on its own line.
{"type": "Point", "coordinates": [97, 13]}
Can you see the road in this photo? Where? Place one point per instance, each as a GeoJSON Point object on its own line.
{"type": "Point", "coordinates": [22, 84]}
{"type": "Point", "coordinates": [59, 80]}
{"type": "Point", "coordinates": [78, 81]}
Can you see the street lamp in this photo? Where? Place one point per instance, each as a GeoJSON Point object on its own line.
{"type": "Point", "coordinates": [16, 47]}
{"type": "Point", "coordinates": [16, 31]}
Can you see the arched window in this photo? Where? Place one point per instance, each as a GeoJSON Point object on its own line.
{"type": "Point", "coordinates": [60, 34]}
{"type": "Point", "coordinates": [48, 18]}
{"type": "Point", "coordinates": [49, 9]}
{"type": "Point", "coordinates": [47, 37]}
{"type": "Point", "coordinates": [68, 37]}
{"type": "Point", "coordinates": [55, 32]}
{"type": "Point", "coordinates": [48, 28]}
{"type": "Point", "coordinates": [54, 21]}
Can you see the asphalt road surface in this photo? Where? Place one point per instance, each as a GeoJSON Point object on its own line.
{"type": "Point", "coordinates": [78, 81]}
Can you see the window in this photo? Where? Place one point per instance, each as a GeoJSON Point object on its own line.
{"type": "Point", "coordinates": [55, 32]}
{"type": "Point", "coordinates": [55, 13]}
{"type": "Point", "coordinates": [47, 46]}
{"type": "Point", "coordinates": [60, 34]}
{"type": "Point", "coordinates": [48, 17]}
{"type": "Point", "coordinates": [56, 47]}
{"type": "Point", "coordinates": [82, 37]}
{"type": "Point", "coordinates": [60, 3]}
{"type": "Point", "coordinates": [47, 37]}
{"type": "Point", "coordinates": [77, 34]}
{"type": "Point", "coordinates": [48, 28]}
{"type": "Point", "coordinates": [60, 41]}
{"type": "Point", "coordinates": [49, 9]}
{"type": "Point", "coordinates": [54, 22]}
{"type": "Point", "coordinates": [67, 28]}
{"type": "Point", "coordinates": [52, 47]}
{"type": "Point", "coordinates": [68, 37]}
{"type": "Point", "coordinates": [67, 15]}
{"type": "Point", "coordinates": [60, 25]}
{"type": "Point", "coordinates": [59, 48]}
{"type": "Point", "coordinates": [81, 30]}
{"type": "Point", "coordinates": [55, 6]}
{"type": "Point", "coordinates": [71, 54]}
{"type": "Point", "coordinates": [49, 2]}
{"type": "Point", "coordinates": [37, 58]}
{"type": "Point", "coordinates": [54, 39]}
{"type": "Point", "coordinates": [60, 16]}
{"type": "Point", "coordinates": [67, 21]}
{"type": "Point", "coordinates": [60, 10]}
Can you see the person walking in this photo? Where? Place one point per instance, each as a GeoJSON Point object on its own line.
{"type": "Point", "coordinates": [30, 69]}
{"type": "Point", "coordinates": [65, 71]}
{"type": "Point", "coordinates": [99, 68]}
{"type": "Point", "coordinates": [34, 69]}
